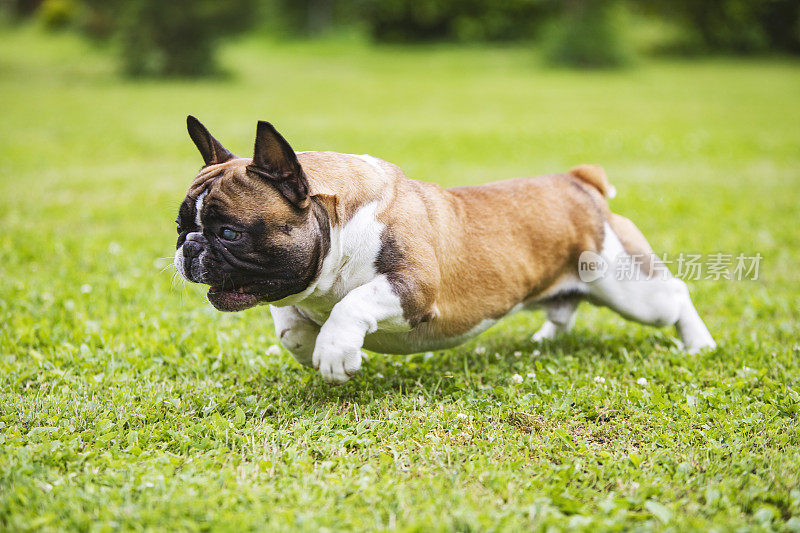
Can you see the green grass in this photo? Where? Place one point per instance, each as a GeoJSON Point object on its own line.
{"type": "Point", "coordinates": [127, 402]}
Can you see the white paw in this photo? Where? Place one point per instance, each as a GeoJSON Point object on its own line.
{"type": "Point", "coordinates": [546, 332]}
{"type": "Point", "coordinates": [696, 338]}
{"type": "Point", "coordinates": [300, 344]}
{"type": "Point", "coordinates": [707, 344]}
{"type": "Point", "coordinates": [336, 364]}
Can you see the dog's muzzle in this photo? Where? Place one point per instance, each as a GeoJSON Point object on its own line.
{"type": "Point", "coordinates": [187, 257]}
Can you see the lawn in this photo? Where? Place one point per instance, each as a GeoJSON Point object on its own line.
{"type": "Point", "coordinates": [127, 402]}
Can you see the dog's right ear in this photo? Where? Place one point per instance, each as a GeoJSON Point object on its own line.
{"type": "Point", "coordinates": [212, 151]}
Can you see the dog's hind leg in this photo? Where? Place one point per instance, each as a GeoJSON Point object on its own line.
{"type": "Point", "coordinates": [648, 293]}
{"type": "Point", "coordinates": [560, 318]}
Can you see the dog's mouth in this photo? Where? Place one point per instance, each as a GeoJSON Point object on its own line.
{"type": "Point", "coordinates": [237, 298]}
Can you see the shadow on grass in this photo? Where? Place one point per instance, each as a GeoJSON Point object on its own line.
{"type": "Point", "coordinates": [472, 370]}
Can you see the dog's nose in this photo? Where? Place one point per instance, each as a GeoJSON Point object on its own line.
{"type": "Point", "coordinates": [191, 249]}
{"type": "Point", "coordinates": [194, 236]}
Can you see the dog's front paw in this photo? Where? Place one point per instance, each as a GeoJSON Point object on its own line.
{"type": "Point", "coordinates": [546, 332]}
{"type": "Point", "coordinates": [299, 340]}
{"type": "Point", "coordinates": [337, 364]}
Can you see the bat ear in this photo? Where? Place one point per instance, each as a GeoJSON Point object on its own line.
{"type": "Point", "coordinates": [275, 161]}
{"type": "Point", "coordinates": [212, 151]}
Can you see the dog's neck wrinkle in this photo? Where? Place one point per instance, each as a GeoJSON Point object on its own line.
{"type": "Point", "coordinates": [323, 250]}
{"type": "Point", "coordinates": [324, 227]}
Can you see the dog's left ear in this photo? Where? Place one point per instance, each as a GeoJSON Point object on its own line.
{"type": "Point", "coordinates": [275, 161]}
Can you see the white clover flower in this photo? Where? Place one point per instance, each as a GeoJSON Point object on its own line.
{"type": "Point", "coordinates": [86, 288]}
{"type": "Point", "coordinates": [273, 350]}
{"type": "Point", "coordinates": [598, 379]}
{"type": "Point", "coordinates": [536, 353]}
{"type": "Point", "coordinates": [428, 355]}
{"type": "Point", "coordinates": [480, 350]}
{"type": "Point", "coordinates": [516, 378]}
{"type": "Point", "coordinates": [517, 354]}
{"type": "Point", "coordinates": [378, 375]}
{"type": "Point", "coordinates": [531, 375]}
{"type": "Point", "coordinates": [462, 416]}
{"type": "Point", "coordinates": [642, 381]}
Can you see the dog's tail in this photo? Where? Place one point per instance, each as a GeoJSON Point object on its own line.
{"type": "Point", "coordinates": [595, 176]}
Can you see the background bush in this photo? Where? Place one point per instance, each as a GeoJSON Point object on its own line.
{"type": "Point", "coordinates": [175, 38]}
{"type": "Point", "coordinates": [409, 20]}
{"type": "Point", "coordinates": [734, 26]}
{"type": "Point", "coordinates": [58, 14]}
{"type": "Point", "coordinates": [180, 37]}
{"type": "Point", "coordinates": [591, 33]}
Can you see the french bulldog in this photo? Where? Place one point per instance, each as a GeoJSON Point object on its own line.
{"type": "Point", "coordinates": [349, 253]}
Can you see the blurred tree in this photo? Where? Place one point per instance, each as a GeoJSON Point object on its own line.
{"type": "Point", "coordinates": [308, 17]}
{"type": "Point", "coordinates": [180, 37]}
{"type": "Point", "coordinates": [739, 26]}
{"type": "Point", "coordinates": [58, 14]}
{"type": "Point", "coordinates": [412, 20]}
{"type": "Point", "coordinates": [590, 33]}
{"type": "Point", "coordinates": [175, 38]}
{"type": "Point", "coordinates": [781, 22]}
{"type": "Point", "coordinates": [21, 8]}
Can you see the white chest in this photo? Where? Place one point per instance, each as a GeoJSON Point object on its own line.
{"type": "Point", "coordinates": [350, 263]}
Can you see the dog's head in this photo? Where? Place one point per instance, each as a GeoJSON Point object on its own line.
{"type": "Point", "coordinates": [248, 227]}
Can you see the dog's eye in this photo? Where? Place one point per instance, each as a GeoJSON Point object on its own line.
{"type": "Point", "coordinates": [229, 235]}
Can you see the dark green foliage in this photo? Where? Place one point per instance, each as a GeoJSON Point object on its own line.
{"type": "Point", "coordinates": [590, 33]}
{"type": "Point", "coordinates": [21, 8]}
{"type": "Point", "coordinates": [738, 26]}
{"type": "Point", "coordinates": [58, 14]}
{"type": "Point", "coordinates": [179, 37]}
{"type": "Point", "coordinates": [308, 17]}
{"type": "Point", "coordinates": [176, 38]}
{"type": "Point", "coordinates": [407, 20]}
